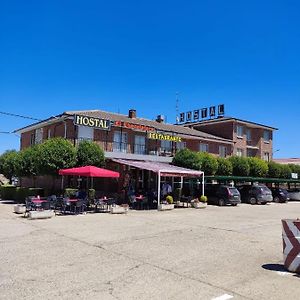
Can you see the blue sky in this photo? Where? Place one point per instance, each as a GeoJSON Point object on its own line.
{"type": "Point", "coordinates": [115, 55]}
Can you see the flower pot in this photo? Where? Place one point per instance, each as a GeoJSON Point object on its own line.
{"type": "Point", "coordinates": [165, 207]}
{"type": "Point", "coordinates": [199, 204]}
{"type": "Point", "coordinates": [118, 209]}
{"type": "Point", "coordinates": [20, 208]}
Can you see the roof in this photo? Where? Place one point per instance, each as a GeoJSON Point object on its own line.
{"type": "Point", "coordinates": [187, 132]}
{"type": "Point", "coordinates": [285, 161]}
{"type": "Point", "coordinates": [228, 119]}
{"type": "Point", "coordinates": [160, 168]}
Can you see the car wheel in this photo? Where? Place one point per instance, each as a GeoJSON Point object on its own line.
{"type": "Point", "coordinates": [252, 201]}
{"type": "Point", "coordinates": [221, 202]}
{"type": "Point", "coordinates": [276, 199]}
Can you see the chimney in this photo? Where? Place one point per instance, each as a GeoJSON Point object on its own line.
{"type": "Point", "coordinates": [132, 114]}
{"type": "Point", "coordinates": [160, 118]}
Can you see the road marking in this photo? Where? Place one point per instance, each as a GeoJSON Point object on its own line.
{"type": "Point", "coordinates": [223, 297]}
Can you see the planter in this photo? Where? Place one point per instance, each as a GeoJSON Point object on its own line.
{"type": "Point", "coordinates": [165, 206]}
{"type": "Point", "coordinates": [41, 214]}
{"type": "Point", "coordinates": [118, 209]}
{"type": "Point", "coordinates": [199, 204]}
{"type": "Point", "coordinates": [20, 208]}
{"type": "Point", "coordinates": [291, 245]}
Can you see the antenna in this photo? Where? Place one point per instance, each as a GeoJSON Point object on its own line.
{"type": "Point", "coordinates": [177, 108]}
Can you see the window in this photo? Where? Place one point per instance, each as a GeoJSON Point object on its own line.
{"type": "Point", "coordinates": [266, 156]}
{"type": "Point", "coordinates": [38, 136]}
{"type": "Point", "coordinates": [267, 136]}
{"type": "Point", "coordinates": [239, 152]}
{"type": "Point", "coordinates": [180, 145]}
{"type": "Point", "coordinates": [250, 153]}
{"type": "Point", "coordinates": [139, 144]}
{"type": "Point", "coordinates": [203, 147]}
{"type": "Point", "coordinates": [32, 138]}
{"type": "Point", "coordinates": [49, 133]}
{"type": "Point", "coordinates": [248, 134]}
{"type": "Point", "coordinates": [166, 146]}
{"type": "Point", "coordinates": [120, 142]}
{"type": "Point", "coordinates": [222, 151]}
{"type": "Point", "coordinates": [85, 133]}
{"type": "Point", "coordinates": [239, 131]}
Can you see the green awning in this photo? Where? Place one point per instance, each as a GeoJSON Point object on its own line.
{"type": "Point", "coordinates": [252, 179]}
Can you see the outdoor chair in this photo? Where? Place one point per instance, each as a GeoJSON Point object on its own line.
{"type": "Point", "coordinates": [52, 201]}
{"type": "Point", "coordinates": [145, 203]}
{"type": "Point", "coordinates": [28, 205]}
{"type": "Point", "coordinates": [66, 205]}
{"type": "Point", "coordinates": [45, 205]}
{"type": "Point", "coordinates": [79, 207]}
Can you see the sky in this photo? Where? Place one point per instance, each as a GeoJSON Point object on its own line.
{"type": "Point", "coordinates": [116, 55]}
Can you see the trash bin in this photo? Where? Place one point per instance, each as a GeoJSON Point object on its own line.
{"type": "Point", "coordinates": [291, 244]}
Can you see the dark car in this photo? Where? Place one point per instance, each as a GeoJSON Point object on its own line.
{"type": "Point", "coordinates": [222, 195]}
{"type": "Point", "coordinates": [280, 195]}
{"type": "Point", "coordinates": [253, 194]}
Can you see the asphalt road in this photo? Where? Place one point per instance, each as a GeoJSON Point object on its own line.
{"type": "Point", "coordinates": [213, 253]}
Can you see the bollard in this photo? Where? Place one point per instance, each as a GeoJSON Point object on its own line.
{"type": "Point", "coordinates": [291, 244]}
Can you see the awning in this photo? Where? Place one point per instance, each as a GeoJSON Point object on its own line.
{"type": "Point", "coordinates": [161, 168]}
{"type": "Point", "coordinates": [89, 171]}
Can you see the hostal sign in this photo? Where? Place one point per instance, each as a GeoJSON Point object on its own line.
{"type": "Point", "coordinates": [92, 122]}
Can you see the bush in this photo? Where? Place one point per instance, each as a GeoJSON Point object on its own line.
{"type": "Point", "coordinates": [258, 167]}
{"type": "Point", "coordinates": [207, 163]}
{"type": "Point", "coordinates": [169, 199]}
{"type": "Point", "coordinates": [240, 166]}
{"type": "Point", "coordinates": [224, 167]}
{"type": "Point", "coordinates": [70, 193]}
{"type": "Point", "coordinates": [203, 199]}
{"type": "Point", "coordinates": [8, 192]}
{"type": "Point", "coordinates": [285, 171]}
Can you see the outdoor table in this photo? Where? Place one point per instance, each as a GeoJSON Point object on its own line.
{"type": "Point", "coordinates": [72, 200]}
{"type": "Point", "coordinates": [38, 201]}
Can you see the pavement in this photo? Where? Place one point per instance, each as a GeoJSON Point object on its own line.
{"type": "Point", "coordinates": [214, 253]}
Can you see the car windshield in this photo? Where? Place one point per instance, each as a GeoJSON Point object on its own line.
{"type": "Point", "coordinates": [264, 190]}
{"type": "Point", "coordinates": [233, 190]}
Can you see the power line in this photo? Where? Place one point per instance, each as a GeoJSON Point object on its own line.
{"type": "Point", "coordinates": [19, 116]}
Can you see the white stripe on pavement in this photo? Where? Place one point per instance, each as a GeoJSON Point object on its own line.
{"type": "Point", "coordinates": [223, 297]}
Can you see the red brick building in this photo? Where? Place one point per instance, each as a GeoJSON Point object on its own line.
{"type": "Point", "coordinates": [249, 139]}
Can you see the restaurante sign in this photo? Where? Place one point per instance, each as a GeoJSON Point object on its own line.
{"type": "Point", "coordinates": [92, 122]}
{"type": "Point", "coordinates": [164, 137]}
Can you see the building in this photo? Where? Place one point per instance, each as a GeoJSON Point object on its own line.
{"type": "Point", "coordinates": [287, 161]}
{"type": "Point", "coordinates": [125, 136]}
{"type": "Point", "coordinates": [249, 139]}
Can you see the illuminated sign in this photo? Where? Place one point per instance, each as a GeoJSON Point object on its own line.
{"type": "Point", "coordinates": [205, 112]}
{"type": "Point", "coordinates": [134, 126]}
{"type": "Point", "coordinates": [92, 122]}
{"type": "Point", "coordinates": [164, 137]}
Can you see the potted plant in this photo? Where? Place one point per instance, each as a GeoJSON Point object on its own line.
{"type": "Point", "coordinates": [201, 202]}
{"type": "Point", "coordinates": [167, 204]}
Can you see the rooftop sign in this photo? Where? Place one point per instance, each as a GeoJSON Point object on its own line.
{"type": "Point", "coordinates": [200, 114]}
{"type": "Point", "coordinates": [134, 126]}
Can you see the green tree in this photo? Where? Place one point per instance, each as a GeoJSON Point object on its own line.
{"type": "Point", "coordinates": [295, 169]}
{"type": "Point", "coordinates": [240, 166]}
{"type": "Point", "coordinates": [10, 164]}
{"type": "Point", "coordinates": [186, 158]}
{"type": "Point", "coordinates": [224, 167]}
{"type": "Point", "coordinates": [258, 167]}
{"type": "Point", "coordinates": [55, 154]}
{"type": "Point", "coordinates": [274, 170]}
{"type": "Point", "coordinates": [207, 163]}
{"type": "Point", "coordinates": [90, 154]}
{"type": "Point", "coordinates": [285, 171]}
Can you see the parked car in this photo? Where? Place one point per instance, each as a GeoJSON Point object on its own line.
{"type": "Point", "coordinates": [294, 194]}
{"type": "Point", "coordinates": [280, 195]}
{"type": "Point", "coordinates": [253, 194]}
{"type": "Point", "coordinates": [222, 195]}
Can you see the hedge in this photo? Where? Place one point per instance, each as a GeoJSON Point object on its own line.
{"type": "Point", "coordinates": [10, 192]}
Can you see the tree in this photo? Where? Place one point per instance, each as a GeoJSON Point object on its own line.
{"type": "Point", "coordinates": [258, 167]}
{"type": "Point", "coordinates": [10, 164]}
{"type": "Point", "coordinates": [240, 166]}
{"type": "Point", "coordinates": [90, 154]}
{"type": "Point", "coordinates": [295, 169]}
{"type": "Point", "coordinates": [55, 154]}
{"type": "Point", "coordinates": [207, 163]}
{"type": "Point", "coordinates": [285, 171]}
{"type": "Point", "coordinates": [274, 170]}
{"type": "Point", "coordinates": [186, 158]}
{"type": "Point", "coordinates": [224, 167]}
{"type": "Point", "coordinates": [30, 162]}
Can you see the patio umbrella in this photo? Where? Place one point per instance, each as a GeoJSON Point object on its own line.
{"type": "Point", "coordinates": [89, 171]}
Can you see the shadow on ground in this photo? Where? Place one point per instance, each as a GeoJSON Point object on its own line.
{"type": "Point", "coordinates": [278, 268]}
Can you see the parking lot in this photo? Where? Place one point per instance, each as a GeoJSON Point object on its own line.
{"type": "Point", "coordinates": [213, 253]}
